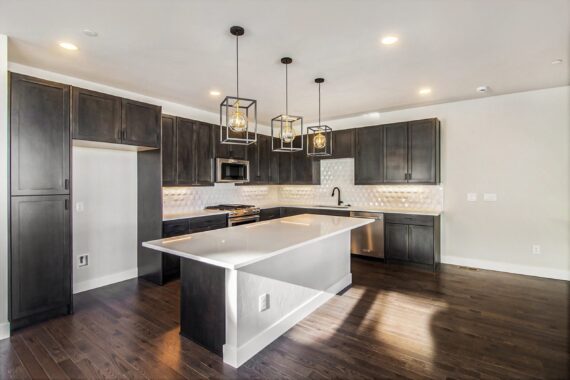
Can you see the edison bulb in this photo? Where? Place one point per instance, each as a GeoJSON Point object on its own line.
{"type": "Point", "coordinates": [287, 133]}
{"type": "Point", "coordinates": [237, 121]}
{"type": "Point", "coordinates": [320, 141]}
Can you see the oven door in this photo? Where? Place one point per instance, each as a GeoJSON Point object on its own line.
{"type": "Point", "coordinates": [242, 220]}
{"type": "Point", "coordinates": [228, 170]}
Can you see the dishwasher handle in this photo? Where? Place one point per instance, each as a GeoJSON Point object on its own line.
{"type": "Point", "coordinates": [367, 215]}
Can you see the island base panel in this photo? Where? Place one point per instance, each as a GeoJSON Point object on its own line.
{"type": "Point", "coordinates": [202, 304]}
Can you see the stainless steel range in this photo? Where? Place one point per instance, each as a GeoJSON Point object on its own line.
{"type": "Point", "coordinates": [238, 214]}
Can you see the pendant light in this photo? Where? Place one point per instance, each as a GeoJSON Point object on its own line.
{"type": "Point", "coordinates": [319, 138]}
{"type": "Point", "coordinates": [286, 125]}
{"type": "Point", "coordinates": [238, 114]}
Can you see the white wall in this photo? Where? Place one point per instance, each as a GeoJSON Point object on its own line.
{"type": "Point", "coordinates": [105, 181]}
{"type": "Point", "coordinates": [4, 325]}
{"type": "Point", "coordinates": [516, 146]}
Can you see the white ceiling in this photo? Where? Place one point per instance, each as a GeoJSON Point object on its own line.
{"type": "Point", "coordinates": [180, 50]}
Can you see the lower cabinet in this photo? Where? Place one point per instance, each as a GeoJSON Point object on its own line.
{"type": "Point", "coordinates": [167, 267]}
{"type": "Point", "coordinates": [40, 259]}
{"type": "Point", "coordinates": [412, 238]}
{"type": "Point", "coordinates": [270, 213]}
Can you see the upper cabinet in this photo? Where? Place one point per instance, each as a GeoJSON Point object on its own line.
{"type": "Point", "coordinates": [263, 163]}
{"type": "Point", "coordinates": [105, 118]}
{"type": "Point", "coordinates": [187, 152]}
{"type": "Point", "coordinates": [141, 124]}
{"type": "Point", "coordinates": [96, 116]}
{"type": "Point", "coordinates": [411, 152]}
{"type": "Point", "coordinates": [398, 153]}
{"type": "Point", "coordinates": [368, 156]}
{"type": "Point", "coordinates": [234, 151]}
{"type": "Point", "coordinates": [39, 136]}
{"type": "Point", "coordinates": [343, 143]}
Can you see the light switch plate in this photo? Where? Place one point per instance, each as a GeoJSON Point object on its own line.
{"type": "Point", "coordinates": [79, 206]}
{"type": "Point", "coordinates": [83, 260]}
{"type": "Point", "coordinates": [472, 197]}
{"type": "Point", "coordinates": [536, 249]}
{"type": "Point", "coordinates": [490, 197]}
{"type": "Point", "coordinates": [264, 302]}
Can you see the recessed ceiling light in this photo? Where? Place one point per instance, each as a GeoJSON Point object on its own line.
{"type": "Point", "coordinates": [215, 93]}
{"type": "Point", "coordinates": [482, 89]}
{"type": "Point", "coordinates": [90, 33]}
{"type": "Point", "coordinates": [68, 46]}
{"type": "Point", "coordinates": [424, 91]}
{"type": "Point", "coordinates": [389, 40]}
{"type": "Point", "coordinates": [556, 62]}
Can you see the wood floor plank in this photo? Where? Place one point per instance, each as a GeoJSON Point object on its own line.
{"type": "Point", "coordinates": [394, 322]}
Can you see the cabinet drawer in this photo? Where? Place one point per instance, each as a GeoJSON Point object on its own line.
{"type": "Point", "coordinates": [270, 213]}
{"type": "Point", "coordinates": [206, 223]}
{"type": "Point", "coordinates": [418, 220]}
{"type": "Point", "coordinates": [174, 228]}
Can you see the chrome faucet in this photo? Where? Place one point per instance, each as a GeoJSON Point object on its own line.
{"type": "Point", "coordinates": [339, 202]}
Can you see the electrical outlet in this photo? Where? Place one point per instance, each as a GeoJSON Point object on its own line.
{"type": "Point", "coordinates": [490, 197]}
{"type": "Point", "coordinates": [79, 206]}
{"type": "Point", "coordinates": [264, 302]}
{"type": "Point", "coordinates": [83, 260]}
{"type": "Point", "coordinates": [536, 249]}
{"type": "Point", "coordinates": [472, 197]}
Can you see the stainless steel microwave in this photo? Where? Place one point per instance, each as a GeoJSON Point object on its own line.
{"type": "Point", "coordinates": [228, 170]}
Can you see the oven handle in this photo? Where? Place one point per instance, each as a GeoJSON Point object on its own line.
{"type": "Point", "coordinates": [232, 221]}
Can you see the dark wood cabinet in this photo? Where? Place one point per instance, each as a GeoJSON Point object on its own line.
{"type": "Point", "coordinates": [396, 241]}
{"type": "Point", "coordinates": [166, 267]}
{"type": "Point", "coordinates": [95, 116]}
{"type": "Point", "coordinates": [40, 258]}
{"type": "Point", "coordinates": [235, 151]}
{"type": "Point", "coordinates": [395, 153]}
{"type": "Point", "coordinates": [168, 150]}
{"type": "Point", "coordinates": [188, 153]}
{"type": "Point", "coordinates": [343, 143]}
{"type": "Point", "coordinates": [369, 156]}
{"type": "Point", "coordinates": [270, 213]}
{"type": "Point", "coordinates": [285, 174]}
{"type": "Point", "coordinates": [413, 239]}
{"type": "Point", "coordinates": [423, 151]}
{"type": "Point", "coordinates": [140, 124]}
{"type": "Point", "coordinates": [39, 137]}
{"type": "Point", "coordinates": [258, 155]}
{"type": "Point", "coordinates": [411, 152]}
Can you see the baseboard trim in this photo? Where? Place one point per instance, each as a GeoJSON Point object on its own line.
{"type": "Point", "coordinates": [556, 274]}
{"type": "Point", "coordinates": [105, 280]}
{"type": "Point", "coordinates": [4, 330]}
{"type": "Point", "coordinates": [236, 356]}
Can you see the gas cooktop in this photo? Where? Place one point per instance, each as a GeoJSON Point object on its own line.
{"type": "Point", "coordinates": [236, 209]}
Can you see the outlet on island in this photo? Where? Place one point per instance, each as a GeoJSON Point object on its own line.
{"type": "Point", "coordinates": [264, 302]}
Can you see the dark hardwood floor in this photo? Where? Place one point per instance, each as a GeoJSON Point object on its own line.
{"type": "Point", "coordinates": [394, 322]}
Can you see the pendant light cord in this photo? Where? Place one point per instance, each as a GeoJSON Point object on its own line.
{"type": "Point", "coordinates": [319, 104]}
{"type": "Point", "coordinates": [286, 91]}
{"type": "Point", "coordinates": [237, 66]}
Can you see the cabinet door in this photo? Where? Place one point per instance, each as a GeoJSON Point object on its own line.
{"type": "Point", "coordinates": [40, 255]}
{"type": "Point", "coordinates": [39, 136]}
{"type": "Point", "coordinates": [274, 158]}
{"type": "Point", "coordinates": [301, 168]}
{"type": "Point", "coordinates": [95, 116]}
{"type": "Point", "coordinates": [421, 247]}
{"type": "Point", "coordinates": [168, 150]}
{"type": "Point", "coordinates": [343, 143]}
{"type": "Point", "coordinates": [235, 151]}
{"type": "Point", "coordinates": [270, 213]}
{"type": "Point", "coordinates": [285, 168]}
{"type": "Point", "coordinates": [203, 154]}
{"type": "Point", "coordinates": [422, 149]}
{"type": "Point", "coordinates": [263, 158]}
{"type": "Point", "coordinates": [141, 124]}
{"type": "Point", "coordinates": [395, 153]}
{"type": "Point", "coordinates": [396, 241]}
{"type": "Point", "coordinates": [368, 156]}
{"type": "Point", "coordinates": [184, 151]}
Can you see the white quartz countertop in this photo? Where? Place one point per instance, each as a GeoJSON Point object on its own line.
{"type": "Point", "coordinates": [236, 247]}
{"type": "Point", "coordinates": [198, 213]}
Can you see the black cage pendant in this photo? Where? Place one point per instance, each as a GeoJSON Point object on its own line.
{"type": "Point", "coordinates": [238, 116]}
{"type": "Point", "coordinates": [288, 129]}
{"type": "Point", "coordinates": [319, 138]}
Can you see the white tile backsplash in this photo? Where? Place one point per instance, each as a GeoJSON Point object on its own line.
{"type": "Point", "coordinates": [339, 172]}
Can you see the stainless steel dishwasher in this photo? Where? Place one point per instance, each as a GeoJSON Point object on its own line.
{"type": "Point", "coordinates": [369, 239]}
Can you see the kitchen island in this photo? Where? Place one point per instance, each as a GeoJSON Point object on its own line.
{"type": "Point", "coordinates": [243, 287]}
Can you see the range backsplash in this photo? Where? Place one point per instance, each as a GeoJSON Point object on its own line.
{"type": "Point", "coordinates": [339, 172]}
